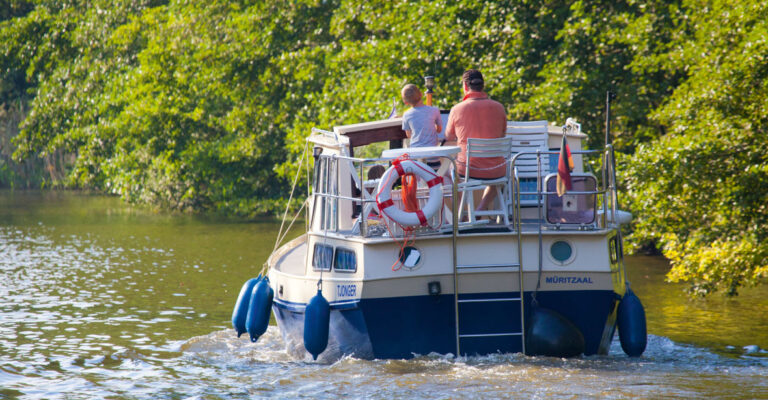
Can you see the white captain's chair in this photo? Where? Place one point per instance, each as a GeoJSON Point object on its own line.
{"type": "Point", "coordinates": [486, 148]}
{"type": "Point", "coordinates": [528, 137]}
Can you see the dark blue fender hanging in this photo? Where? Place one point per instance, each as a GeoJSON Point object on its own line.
{"type": "Point", "coordinates": [630, 319]}
{"type": "Point", "coordinates": [240, 313]}
{"type": "Point", "coordinates": [259, 309]}
{"type": "Point", "coordinates": [317, 317]}
{"type": "Point", "coordinates": [548, 333]}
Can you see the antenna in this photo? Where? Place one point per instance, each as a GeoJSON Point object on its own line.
{"type": "Point", "coordinates": [609, 96]}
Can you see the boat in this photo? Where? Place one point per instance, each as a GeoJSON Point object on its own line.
{"type": "Point", "coordinates": [541, 274]}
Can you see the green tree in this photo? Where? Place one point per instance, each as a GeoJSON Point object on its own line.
{"type": "Point", "coordinates": [206, 106]}
{"type": "Point", "coordinates": [701, 190]}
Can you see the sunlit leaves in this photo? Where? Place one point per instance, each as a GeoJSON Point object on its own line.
{"type": "Point", "coordinates": [206, 105]}
{"type": "Point", "coordinates": [701, 192]}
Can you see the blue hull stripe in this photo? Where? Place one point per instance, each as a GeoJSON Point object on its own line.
{"type": "Point", "coordinates": [402, 327]}
{"type": "Point", "coordinates": [299, 307]}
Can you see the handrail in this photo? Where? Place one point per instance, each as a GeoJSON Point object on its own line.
{"type": "Point", "coordinates": [607, 186]}
{"type": "Point", "coordinates": [518, 228]}
{"type": "Point", "coordinates": [326, 186]}
{"type": "Point", "coordinates": [606, 189]}
{"type": "Point", "coordinates": [329, 188]}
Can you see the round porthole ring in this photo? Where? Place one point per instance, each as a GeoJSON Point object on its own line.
{"type": "Point", "coordinates": [567, 260]}
{"type": "Point", "coordinates": [418, 263]}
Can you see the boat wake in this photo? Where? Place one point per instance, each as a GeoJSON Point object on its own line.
{"type": "Point", "coordinates": [666, 369]}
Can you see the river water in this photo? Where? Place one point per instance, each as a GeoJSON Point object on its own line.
{"type": "Point", "coordinates": [103, 300]}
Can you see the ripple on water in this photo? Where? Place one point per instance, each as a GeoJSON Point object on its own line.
{"type": "Point", "coordinates": [94, 316]}
{"type": "Point", "coordinates": [666, 370]}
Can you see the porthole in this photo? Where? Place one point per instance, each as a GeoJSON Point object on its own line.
{"type": "Point", "coordinates": [561, 252]}
{"type": "Point", "coordinates": [410, 257]}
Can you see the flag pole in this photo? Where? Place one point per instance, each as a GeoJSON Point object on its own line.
{"type": "Point", "coordinates": [609, 96]}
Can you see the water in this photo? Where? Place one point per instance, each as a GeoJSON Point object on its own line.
{"type": "Point", "coordinates": [103, 300]}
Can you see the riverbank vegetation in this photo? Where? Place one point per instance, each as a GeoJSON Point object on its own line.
{"type": "Point", "coordinates": [203, 106]}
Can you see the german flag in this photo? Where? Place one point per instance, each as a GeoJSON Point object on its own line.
{"type": "Point", "coordinates": [564, 168]}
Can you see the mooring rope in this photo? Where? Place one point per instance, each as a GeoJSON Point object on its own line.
{"type": "Point", "coordinates": [280, 235]}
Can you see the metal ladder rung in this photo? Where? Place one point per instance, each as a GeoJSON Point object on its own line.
{"type": "Point", "coordinates": [490, 334]}
{"type": "Point", "coordinates": [488, 212]}
{"type": "Point", "coordinates": [489, 300]}
{"type": "Point", "coordinates": [515, 265]}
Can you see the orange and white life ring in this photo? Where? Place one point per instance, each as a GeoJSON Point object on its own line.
{"type": "Point", "coordinates": [387, 207]}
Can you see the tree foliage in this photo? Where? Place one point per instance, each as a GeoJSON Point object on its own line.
{"type": "Point", "coordinates": [702, 190]}
{"type": "Point", "coordinates": [205, 105]}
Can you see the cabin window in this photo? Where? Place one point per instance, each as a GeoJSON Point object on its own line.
{"type": "Point", "coordinates": [325, 190]}
{"type": "Point", "coordinates": [528, 185]}
{"type": "Point", "coordinates": [571, 208]}
{"type": "Point", "coordinates": [613, 248]}
{"type": "Point", "coordinates": [554, 160]}
{"type": "Point", "coordinates": [323, 257]}
{"type": "Point", "coordinates": [346, 260]}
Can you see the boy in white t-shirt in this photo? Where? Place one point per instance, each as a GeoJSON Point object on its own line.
{"type": "Point", "coordinates": [422, 124]}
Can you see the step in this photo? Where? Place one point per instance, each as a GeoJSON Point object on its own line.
{"type": "Point", "coordinates": [490, 334]}
{"type": "Point", "coordinates": [480, 213]}
{"type": "Point", "coordinates": [489, 300]}
{"type": "Point", "coordinates": [475, 266]}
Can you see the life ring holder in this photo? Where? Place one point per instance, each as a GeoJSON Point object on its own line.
{"type": "Point", "coordinates": [420, 217]}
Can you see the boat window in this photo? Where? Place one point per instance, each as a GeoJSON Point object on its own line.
{"type": "Point", "coordinates": [528, 185]}
{"type": "Point", "coordinates": [325, 191]}
{"type": "Point", "coordinates": [554, 160]}
{"type": "Point", "coordinates": [613, 247]}
{"type": "Point", "coordinates": [323, 257]}
{"type": "Point", "coordinates": [561, 251]}
{"type": "Point", "coordinates": [410, 257]}
{"type": "Point", "coordinates": [572, 208]}
{"type": "Point", "coordinates": [345, 260]}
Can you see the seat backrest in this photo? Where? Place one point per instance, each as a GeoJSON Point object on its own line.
{"type": "Point", "coordinates": [486, 148]}
{"type": "Point", "coordinates": [525, 127]}
{"type": "Point", "coordinates": [529, 136]}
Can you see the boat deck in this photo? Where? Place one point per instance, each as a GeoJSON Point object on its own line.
{"type": "Point", "coordinates": [527, 228]}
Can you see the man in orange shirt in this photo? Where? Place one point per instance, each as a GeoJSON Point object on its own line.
{"type": "Point", "coordinates": [477, 116]}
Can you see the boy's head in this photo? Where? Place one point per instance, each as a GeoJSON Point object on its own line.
{"type": "Point", "coordinates": [411, 94]}
{"type": "Point", "coordinates": [376, 172]}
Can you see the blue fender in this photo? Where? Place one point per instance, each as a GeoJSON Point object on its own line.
{"type": "Point", "coordinates": [317, 318]}
{"type": "Point", "coordinates": [549, 333]}
{"type": "Point", "coordinates": [630, 319]}
{"type": "Point", "coordinates": [259, 309]}
{"type": "Point", "coordinates": [240, 313]}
